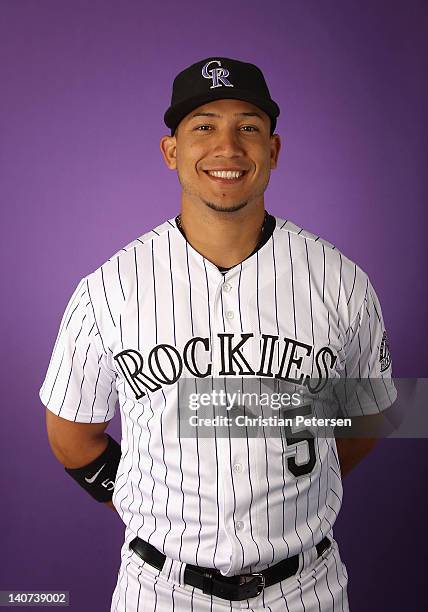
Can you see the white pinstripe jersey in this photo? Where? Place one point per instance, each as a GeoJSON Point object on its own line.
{"type": "Point", "coordinates": [229, 503]}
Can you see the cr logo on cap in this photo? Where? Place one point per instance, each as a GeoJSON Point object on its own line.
{"type": "Point", "coordinates": [216, 74]}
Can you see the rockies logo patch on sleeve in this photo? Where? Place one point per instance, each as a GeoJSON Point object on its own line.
{"type": "Point", "coordinates": [384, 354]}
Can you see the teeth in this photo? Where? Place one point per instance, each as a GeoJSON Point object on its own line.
{"type": "Point", "coordinates": [227, 174]}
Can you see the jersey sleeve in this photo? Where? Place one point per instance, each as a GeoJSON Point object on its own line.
{"type": "Point", "coordinates": [80, 384]}
{"type": "Point", "coordinates": [367, 386]}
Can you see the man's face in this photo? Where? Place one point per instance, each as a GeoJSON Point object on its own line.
{"type": "Point", "coordinates": [223, 136]}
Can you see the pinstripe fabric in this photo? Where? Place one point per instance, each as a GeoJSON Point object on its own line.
{"type": "Point", "coordinates": [185, 496]}
{"type": "Point", "coordinates": [319, 586]}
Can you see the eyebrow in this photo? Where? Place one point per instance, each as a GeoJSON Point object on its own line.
{"type": "Point", "coordinates": [248, 114]}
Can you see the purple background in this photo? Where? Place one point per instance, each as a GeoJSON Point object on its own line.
{"type": "Point", "coordinates": [84, 85]}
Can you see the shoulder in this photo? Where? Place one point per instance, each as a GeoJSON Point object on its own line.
{"type": "Point", "coordinates": [285, 227]}
{"type": "Point", "coordinates": [143, 241]}
{"type": "Point", "coordinates": [117, 273]}
{"type": "Point", "coordinates": [341, 275]}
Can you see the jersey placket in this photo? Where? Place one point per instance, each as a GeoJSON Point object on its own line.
{"type": "Point", "coordinates": [232, 450]}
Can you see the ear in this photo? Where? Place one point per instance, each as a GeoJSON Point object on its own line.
{"type": "Point", "coordinates": [168, 147]}
{"type": "Point", "coordinates": [275, 147]}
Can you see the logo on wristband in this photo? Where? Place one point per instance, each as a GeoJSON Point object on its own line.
{"type": "Point", "coordinates": [93, 478]}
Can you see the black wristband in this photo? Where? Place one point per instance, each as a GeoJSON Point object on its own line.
{"type": "Point", "coordinates": [98, 477]}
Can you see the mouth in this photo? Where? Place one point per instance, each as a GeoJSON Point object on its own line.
{"type": "Point", "coordinates": [226, 176]}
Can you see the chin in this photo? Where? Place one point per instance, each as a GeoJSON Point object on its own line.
{"type": "Point", "coordinates": [232, 207]}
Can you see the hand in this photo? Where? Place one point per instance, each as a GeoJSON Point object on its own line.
{"type": "Point", "coordinates": [351, 451]}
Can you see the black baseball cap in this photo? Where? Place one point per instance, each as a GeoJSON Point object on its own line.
{"type": "Point", "coordinates": [216, 78]}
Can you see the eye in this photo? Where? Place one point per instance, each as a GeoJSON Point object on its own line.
{"type": "Point", "coordinates": [249, 128]}
{"type": "Point", "coordinates": [201, 128]}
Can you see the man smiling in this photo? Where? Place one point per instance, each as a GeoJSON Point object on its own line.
{"type": "Point", "coordinates": [223, 290]}
{"type": "Point", "coordinates": [223, 153]}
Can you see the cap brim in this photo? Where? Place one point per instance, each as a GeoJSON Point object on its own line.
{"type": "Point", "coordinates": [177, 112]}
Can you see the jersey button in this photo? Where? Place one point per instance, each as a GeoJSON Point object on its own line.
{"type": "Point", "coordinates": [227, 287]}
{"type": "Point", "coordinates": [229, 314]}
{"type": "Point", "coordinates": [239, 525]}
{"type": "Point", "coordinates": [237, 467]}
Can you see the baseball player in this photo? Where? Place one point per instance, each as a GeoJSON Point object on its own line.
{"type": "Point", "coordinates": [223, 291]}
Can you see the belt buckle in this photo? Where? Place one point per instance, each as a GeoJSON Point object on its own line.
{"type": "Point", "coordinates": [246, 581]}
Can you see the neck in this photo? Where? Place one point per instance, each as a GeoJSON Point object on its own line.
{"type": "Point", "coordinates": [223, 238]}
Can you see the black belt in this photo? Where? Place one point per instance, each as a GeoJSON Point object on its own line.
{"type": "Point", "coordinates": [212, 582]}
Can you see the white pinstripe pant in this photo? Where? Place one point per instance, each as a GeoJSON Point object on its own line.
{"type": "Point", "coordinates": [319, 586]}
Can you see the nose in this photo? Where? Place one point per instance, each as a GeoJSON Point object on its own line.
{"type": "Point", "coordinates": [227, 143]}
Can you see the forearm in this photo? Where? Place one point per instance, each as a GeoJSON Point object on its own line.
{"type": "Point", "coordinates": [78, 452]}
{"type": "Point", "coordinates": [351, 451]}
